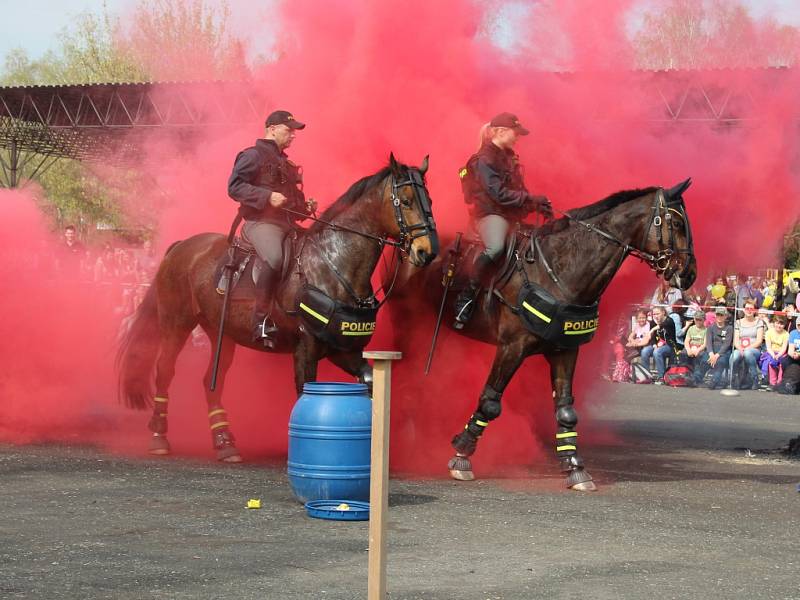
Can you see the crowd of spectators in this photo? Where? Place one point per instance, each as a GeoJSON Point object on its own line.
{"type": "Point", "coordinates": [727, 335]}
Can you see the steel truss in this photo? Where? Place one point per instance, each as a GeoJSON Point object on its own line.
{"type": "Point", "coordinates": [109, 122]}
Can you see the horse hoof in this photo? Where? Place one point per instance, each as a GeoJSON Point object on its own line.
{"type": "Point", "coordinates": [586, 486]}
{"type": "Point", "coordinates": [159, 446]}
{"type": "Point", "coordinates": [462, 475]}
{"type": "Point", "coordinates": [461, 468]}
{"type": "Point", "coordinates": [229, 455]}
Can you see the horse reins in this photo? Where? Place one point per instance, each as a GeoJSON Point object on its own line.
{"type": "Point", "coordinates": [408, 233]}
{"type": "Point", "coordinates": [662, 260]}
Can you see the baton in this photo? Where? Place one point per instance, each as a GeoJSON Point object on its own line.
{"type": "Point", "coordinates": [448, 280]}
{"type": "Point", "coordinates": [223, 313]}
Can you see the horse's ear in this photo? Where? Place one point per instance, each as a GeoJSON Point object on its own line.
{"type": "Point", "coordinates": [393, 164]}
{"type": "Point", "coordinates": [423, 168]}
{"type": "Point", "coordinates": [677, 191]}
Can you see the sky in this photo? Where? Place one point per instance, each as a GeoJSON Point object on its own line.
{"type": "Point", "coordinates": [35, 25]}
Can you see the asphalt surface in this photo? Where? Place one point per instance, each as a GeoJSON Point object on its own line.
{"type": "Point", "coordinates": [697, 502]}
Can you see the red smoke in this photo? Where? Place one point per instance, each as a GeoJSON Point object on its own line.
{"type": "Point", "coordinates": [415, 78]}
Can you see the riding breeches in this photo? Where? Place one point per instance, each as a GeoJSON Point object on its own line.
{"type": "Point", "coordinates": [267, 239]}
{"type": "Point", "coordinates": [493, 230]}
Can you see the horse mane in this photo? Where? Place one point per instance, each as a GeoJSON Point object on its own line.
{"type": "Point", "coordinates": [353, 193]}
{"type": "Point", "coordinates": [592, 210]}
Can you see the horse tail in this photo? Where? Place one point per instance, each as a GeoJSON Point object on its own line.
{"type": "Point", "coordinates": [138, 351]}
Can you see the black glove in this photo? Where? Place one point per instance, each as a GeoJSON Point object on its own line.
{"type": "Point", "coordinates": [541, 205]}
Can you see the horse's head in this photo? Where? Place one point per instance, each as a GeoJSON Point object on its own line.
{"type": "Point", "coordinates": [407, 207]}
{"type": "Point", "coordinates": [668, 238]}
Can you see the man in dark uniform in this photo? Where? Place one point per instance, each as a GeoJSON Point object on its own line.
{"type": "Point", "coordinates": [494, 187]}
{"type": "Point", "coordinates": [264, 181]}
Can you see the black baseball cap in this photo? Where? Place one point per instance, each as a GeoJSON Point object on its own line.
{"type": "Point", "coordinates": [284, 117]}
{"type": "Point", "coordinates": [508, 120]}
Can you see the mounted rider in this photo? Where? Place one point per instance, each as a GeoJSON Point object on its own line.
{"type": "Point", "coordinates": [264, 181]}
{"type": "Point", "coordinates": [494, 187]}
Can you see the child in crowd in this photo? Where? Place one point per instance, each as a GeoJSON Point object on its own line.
{"type": "Point", "coordinates": [639, 337]}
{"type": "Point", "coordinates": [777, 341]}
{"type": "Point", "coordinates": [694, 349]}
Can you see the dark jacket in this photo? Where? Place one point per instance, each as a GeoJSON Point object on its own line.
{"type": "Point", "coordinates": [666, 332]}
{"type": "Point", "coordinates": [257, 172]}
{"type": "Point", "coordinates": [493, 184]}
{"type": "Point", "coordinates": [719, 339]}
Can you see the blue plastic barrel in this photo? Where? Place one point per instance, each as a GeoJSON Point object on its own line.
{"type": "Point", "coordinates": [329, 442]}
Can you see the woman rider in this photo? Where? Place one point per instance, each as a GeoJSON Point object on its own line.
{"type": "Point", "coordinates": [493, 186]}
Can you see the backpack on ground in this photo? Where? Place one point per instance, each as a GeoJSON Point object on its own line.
{"type": "Point", "coordinates": [679, 376]}
{"type": "Point", "coordinates": [640, 373]}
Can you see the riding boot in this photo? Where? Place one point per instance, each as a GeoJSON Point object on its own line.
{"type": "Point", "coordinates": [264, 327]}
{"type": "Point", "coordinates": [466, 299]}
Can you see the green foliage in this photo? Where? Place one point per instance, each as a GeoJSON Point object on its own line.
{"type": "Point", "coordinates": [163, 40]}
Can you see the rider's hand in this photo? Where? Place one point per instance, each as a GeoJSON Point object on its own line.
{"type": "Point", "coordinates": [277, 199]}
{"type": "Point", "coordinates": [311, 205]}
{"type": "Point", "coordinates": [541, 205]}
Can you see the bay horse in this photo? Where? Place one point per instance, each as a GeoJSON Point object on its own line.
{"type": "Point", "coordinates": [573, 259]}
{"type": "Point", "coordinates": [336, 256]}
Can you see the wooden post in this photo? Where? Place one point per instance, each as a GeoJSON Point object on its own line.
{"type": "Point", "coordinates": [379, 471]}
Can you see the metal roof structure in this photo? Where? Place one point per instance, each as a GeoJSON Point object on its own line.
{"type": "Point", "coordinates": [109, 122]}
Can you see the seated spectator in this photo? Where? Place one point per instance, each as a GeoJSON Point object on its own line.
{"type": "Point", "coordinates": [694, 349]}
{"type": "Point", "coordinates": [793, 349]}
{"type": "Point", "coordinates": [777, 342]}
{"type": "Point", "coordinates": [639, 337]}
{"type": "Point", "coordinates": [748, 335]}
{"type": "Point", "coordinates": [791, 316]}
{"type": "Point", "coordinates": [678, 310]}
{"type": "Point", "coordinates": [719, 337]}
{"type": "Point", "coordinates": [666, 296]}
{"type": "Point", "coordinates": [663, 343]}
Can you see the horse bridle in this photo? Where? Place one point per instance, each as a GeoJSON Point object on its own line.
{"type": "Point", "coordinates": [426, 227]}
{"type": "Point", "coordinates": [662, 261]}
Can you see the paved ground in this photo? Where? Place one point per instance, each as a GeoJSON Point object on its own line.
{"type": "Point", "coordinates": [683, 512]}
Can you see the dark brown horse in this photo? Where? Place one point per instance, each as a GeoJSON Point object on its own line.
{"type": "Point", "coordinates": [337, 260]}
{"type": "Point", "coordinates": [573, 259]}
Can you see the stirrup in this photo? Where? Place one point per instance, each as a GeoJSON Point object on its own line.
{"type": "Point", "coordinates": [464, 315]}
{"type": "Point", "coordinates": [265, 332]}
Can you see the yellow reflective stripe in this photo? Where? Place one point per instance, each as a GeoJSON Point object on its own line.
{"type": "Point", "coordinates": [161, 399]}
{"type": "Point", "coordinates": [580, 332]}
{"type": "Point", "coordinates": [357, 332]}
{"type": "Point", "coordinates": [314, 313]}
{"type": "Point", "coordinates": [568, 447]}
{"type": "Point", "coordinates": [220, 424]}
{"type": "Point", "coordinates": [566, 434]}
{"type": "Point", "coordinates": [219, 411]}
{"type": "Point", "coordinates": [542, 316]}
{"type": "Point", "coordinates": [481, 423]}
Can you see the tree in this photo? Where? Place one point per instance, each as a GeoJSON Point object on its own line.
{"type": "Point", "coordinates": [165, 39]}
{"type": "Point", "coordinates": [694, 34]}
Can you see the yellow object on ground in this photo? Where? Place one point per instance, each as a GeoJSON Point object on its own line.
{"type": "Point", "coordinates": [254, 503]}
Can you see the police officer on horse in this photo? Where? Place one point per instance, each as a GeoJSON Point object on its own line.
{"type": "Point", "coordinates": [494, 187]}
{"type": "Point", "coordinates": [265, 182]}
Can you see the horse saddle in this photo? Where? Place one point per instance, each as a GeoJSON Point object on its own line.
{"type": "Point", "coordinates": [247, 266]}
{"type": "Point", "coordinates": [471, 246]}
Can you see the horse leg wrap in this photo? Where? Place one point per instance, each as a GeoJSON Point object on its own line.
{"type": "Point", "coordinates": [158, 422]}
{"type": "Point", "coordinates": [466, 441]}
{"type": "Point", "coordinates": [567, 437]}
{"type": "Point", "coordinates": [220, 434]}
